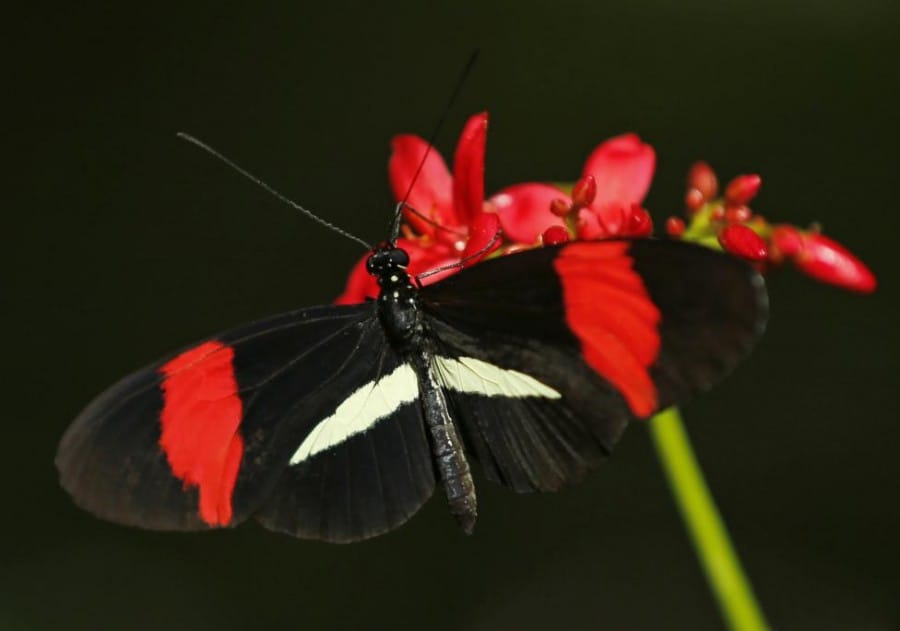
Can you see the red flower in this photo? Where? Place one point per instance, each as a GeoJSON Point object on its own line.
{"type": "Point", "coordinates": [447, 222]}
{"type": "Point", "coordinates": [605, 202]}
{"type": "Point", "coordinates": [731, 223]}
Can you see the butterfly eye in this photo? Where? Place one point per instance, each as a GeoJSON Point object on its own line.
{"type": "Point", "coordinates": [378, 260]}
{"type": "Point", "coordinates": [399, 257]}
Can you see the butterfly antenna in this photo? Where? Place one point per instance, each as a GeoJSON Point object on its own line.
{"type": "Point", "coordinates": [463, 261]}
{"type": "Point", "coordinates": [266, 187]}
{"type": "Point", "coordinates": [463, 75]}
{"type": "Point", "coordinates": [401, 206]}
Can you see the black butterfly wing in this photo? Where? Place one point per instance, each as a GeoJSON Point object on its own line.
{"type": "Point", "coordinates": [363, 469]}
{"type": "Point", "coordinates": [615, 330]}
{"type": "Point", "coordinates": [206, 437]}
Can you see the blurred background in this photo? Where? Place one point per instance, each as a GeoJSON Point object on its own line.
{"type": "Point", "coordinates": [124, 243]}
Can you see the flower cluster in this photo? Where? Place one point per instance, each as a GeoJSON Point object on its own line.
{"type": "Point", "coordinates": [726, 221]}
{"type": "Point", "coordinates": [605, 202]}
{"type": "Point", "coordinates": [445, 220]}
{"type": "Point", "coordinates": [448, 223]}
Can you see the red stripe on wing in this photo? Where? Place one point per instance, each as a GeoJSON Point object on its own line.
{"type": "Point", "coordinates": [610, 312]}
{"type": "Point", "coordinates": [200, 419]}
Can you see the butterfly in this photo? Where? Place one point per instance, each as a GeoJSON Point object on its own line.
{"type": "Point", "coordinates": [337, 422]}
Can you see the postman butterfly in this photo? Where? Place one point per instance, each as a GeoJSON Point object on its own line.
{"type": "Point", "coordinates": [337, 422]}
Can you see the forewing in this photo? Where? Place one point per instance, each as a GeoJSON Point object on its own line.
{"type": "Point", "coordinates": [363, 469]}
{"type": "Point", "coordinates": [202, 438]}
{"type": "Point", "coordinates": [619, 329]}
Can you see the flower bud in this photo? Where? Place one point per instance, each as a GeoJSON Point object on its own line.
{"type": "Point", "coordinates": [584, 192]}
{"type": "Point", "coordinates": [741, 241]}
{"type": "Point", "coordinates": [554, 235]}
{"type": "Point", "coordinates": [693, 199]}
{"type": "Point", "coordinates": [560, 207]}
{"type": "Point", "coordinates": [742, 189]}
{"type": "Point", "coordinates": [703, 178]}
{"type": "Point", "coordinates": [785, 241]}
{"type": "Point", "coordinates": [674, 226]}
{"type": "Point", "coordinates": [830, 262]}
{"type": "Point", "coordinates": [639, 223]}
{"type": "Point", "coordinates": [737, 214]}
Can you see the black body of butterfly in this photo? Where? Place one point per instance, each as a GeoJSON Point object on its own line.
{"type": "Point", "coordinates": [336, 422]}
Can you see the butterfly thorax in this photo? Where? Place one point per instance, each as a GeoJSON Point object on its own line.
{"type": "Point", "coordinates": [398, 309]}
{"type": "Point", "coordinates": [398, 306]}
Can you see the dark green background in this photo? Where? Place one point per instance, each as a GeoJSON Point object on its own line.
{"type": "Point", "coordinates": [124, 243]}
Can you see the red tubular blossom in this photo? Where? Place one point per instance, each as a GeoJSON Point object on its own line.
{"type": "Point", "coordinates": [454, 226]}
{"type": "Point", "coordinates": [702, 178]}
{"type": "Point", "coordinates": [449, 201]}
{"type": "Point", "coordinates": [741, 241]}
{"type": "Point", "coordinates": [615, 180]}
{"type": "Point", "coordinates": [622, 168]}
{"type": "Point", "coordinates": [828, 261]}
{"type": "Point", "coordinates": [742, 189]}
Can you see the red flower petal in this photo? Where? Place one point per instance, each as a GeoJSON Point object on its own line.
{"type": "Point", "coordinates": [484, 229]}
{"type": "Point", "coordinates": [828, 261]}
{"type": "Point", "coordinates": [468, 170]}
{"type": "Point", "coordinates": [432, 194]}
{"type": "Point", "coordinates": [612, 218]}
{"type": "Point", "coordinates": [623, 168]}
{"type": "Point", "coordinates": [588, 225]}
{"type": "Point", "coordinates": [741, 241]}
{"type": "Point", "coordinates": [524, 210]}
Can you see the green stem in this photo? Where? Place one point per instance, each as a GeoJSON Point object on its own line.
{"type": "Point", "coordinates": [720, 562]}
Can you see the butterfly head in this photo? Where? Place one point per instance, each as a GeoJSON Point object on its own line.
{"type": "Point", "coordinates": [387, 260]}
{"type": "Point", "coordinates": [397, 298]}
